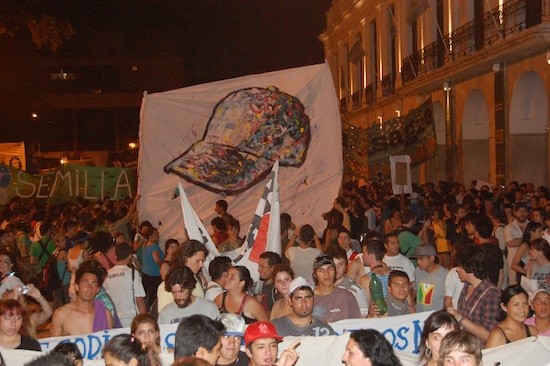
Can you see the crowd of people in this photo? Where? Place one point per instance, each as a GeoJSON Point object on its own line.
{"type": "Point", "coordinates": [479, 258]}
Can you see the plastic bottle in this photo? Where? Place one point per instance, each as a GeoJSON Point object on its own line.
{"type": "Point", "coordinates": [377, 294]}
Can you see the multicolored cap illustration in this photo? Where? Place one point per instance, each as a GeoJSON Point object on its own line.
{"type": "Point", "coordinates": [248, 131]}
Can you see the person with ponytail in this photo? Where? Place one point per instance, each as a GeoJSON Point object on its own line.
{"type": "Point", "coordinates": [125, 349]}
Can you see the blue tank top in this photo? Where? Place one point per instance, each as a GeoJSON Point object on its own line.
{"type": "Point", "coordinates": [149, 266]}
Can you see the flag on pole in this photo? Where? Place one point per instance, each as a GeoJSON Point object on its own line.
{"type": "Point", "coordinates": [416, 8]}
{"type": "Point", "coordinates": [264, 234]}
{"type": "Point", "coordinates": [356, 52]}
{"type": "Point", "coordinates": [196, 230]}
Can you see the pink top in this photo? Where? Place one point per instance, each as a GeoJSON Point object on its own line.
{"type": "Point", "coordinates": [107, 261]}
{"type": "Point", "coordinates": [531, 321]}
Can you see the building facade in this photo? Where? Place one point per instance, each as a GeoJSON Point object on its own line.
{"type": "Point", "coordinates": [484, 63]}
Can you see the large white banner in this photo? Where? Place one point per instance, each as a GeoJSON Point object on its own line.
{"type": "Point", "coordinates": [189, 123]}
{"type": "Point", "coordinates": [403, 332]}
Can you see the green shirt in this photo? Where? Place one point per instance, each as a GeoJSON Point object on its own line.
{"type": "Point", "coordinates": [37, 251]}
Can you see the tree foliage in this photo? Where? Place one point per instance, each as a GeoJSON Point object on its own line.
{"type": "Point", "coordinates": [45, 30]}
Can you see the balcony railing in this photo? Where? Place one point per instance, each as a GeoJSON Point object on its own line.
{"type": "Point", "coordinates": [344, 105]}
{"type": "Point", "coordinates": [356, 99]}
{"type": "Point", "coordinates": [498, 23]}
{"type": "Point", "coordinates": [370, 93]}
{"type": "Point", "coordinates": [388, 85]}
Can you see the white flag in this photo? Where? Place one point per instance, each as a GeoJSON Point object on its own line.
{"type": "Point", "coordinates": [264, 234]}
{"type": "Point", "coordinates": [196, 230]}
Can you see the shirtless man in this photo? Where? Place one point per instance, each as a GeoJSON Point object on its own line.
{"type": "Point", "coordinates": [85, 315]}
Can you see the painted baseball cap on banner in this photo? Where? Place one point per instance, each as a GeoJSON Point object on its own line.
{"type": "Point", "coordinates": [234, 324]}
{"type": "Point", "coordinates": [248, 131]}
{"type": "Point", "coordinates": [298, 283]}
{"type": "Point", "coordinates": [260, 330]}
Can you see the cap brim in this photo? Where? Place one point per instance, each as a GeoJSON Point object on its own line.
{"type": "Point", "coordinates": [263, 336]}
{"type": "Point", "coordinates": [323, 263]}
{"type": "Point", "coordinates": [231, 333]}
{"type": "Point", "coordinates": [220, 168]}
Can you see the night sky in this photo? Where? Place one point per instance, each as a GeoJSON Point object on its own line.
{"type": "Point", "coordinates": [216, 39]}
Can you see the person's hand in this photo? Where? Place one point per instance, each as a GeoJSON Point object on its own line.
{"type": "Point", "coordinates": [453, 312]}
{"type": "Point", "coordinates": [374, 311]}
{"type": "Point", "coordinates": [34, 292]}
{"type": "Point", "coordinates": [289, 355]}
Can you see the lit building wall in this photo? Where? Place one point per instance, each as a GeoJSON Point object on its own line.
{"type": "Point", "coordinates": [492, 54]}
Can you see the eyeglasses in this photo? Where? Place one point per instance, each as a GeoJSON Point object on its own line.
{"type": "Point", "coordinates": [9, 317]}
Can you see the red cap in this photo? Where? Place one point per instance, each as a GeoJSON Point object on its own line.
{"type": "Point", "coordinates": [260, 330]}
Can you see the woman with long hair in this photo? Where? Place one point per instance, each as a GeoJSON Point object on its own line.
{"type": "Point", "coordinates": [368, 347]}
{"type": "Point", "coordinates": [282, 276]}
{"type": "Point", "coordinates": [514, 305]}
{"type": "Point", "coordinates": [170, 248]}
{"type": "Point", "coordinates": [539, 266]}
{"type": "Point", "coordinates": [152, 257]}
{"type": "Point", "coordinates": [533, 230]}
{"type": "Point", "coordinates": [237, 300]}
{"type": "Point", "coordinates": [36, 318]}
{"type": "Point", "coordinates": [146, 329]}
{"type": "Point", "coordinates": [127, 350]}
{"type": "Point", "coordinates": [438, 324]}
{"type": "Point", "coordinates": [14, 323]}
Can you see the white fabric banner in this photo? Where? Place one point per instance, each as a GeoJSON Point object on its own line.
{"type": "Point", "coordinates": [402, 331]}
{"type": "Point", "coordinates": [173, 122]}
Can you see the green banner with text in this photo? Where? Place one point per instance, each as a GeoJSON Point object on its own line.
{"type": "Point", "coordinates": [66, 183]}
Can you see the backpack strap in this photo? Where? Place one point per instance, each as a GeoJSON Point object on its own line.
{"type": "Point", "coordinates": [44, 248]}
{"type": "Point", "coordinates": [133, 291]}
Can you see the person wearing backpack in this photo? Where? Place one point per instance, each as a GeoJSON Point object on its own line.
{"type": "Point", "coordinates": [61, 270]}
{"type": "Point", "coordinates": [42, 248]}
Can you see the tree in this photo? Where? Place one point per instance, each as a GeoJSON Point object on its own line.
{"type": "Point", "coordinates": [46, 31]}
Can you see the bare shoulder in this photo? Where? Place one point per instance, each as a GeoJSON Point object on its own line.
{"type": "Point", "coordinates": [496, 338]}
{"type": "Point", "coordinates": [534, 331]}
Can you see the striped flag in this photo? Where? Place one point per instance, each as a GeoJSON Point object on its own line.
{"type": "Point", "coordinates": [265, 230]}
{"type": "Point", "coordinates": [196, 230]}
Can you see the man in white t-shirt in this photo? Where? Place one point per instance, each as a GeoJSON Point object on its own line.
{"type": "Point", "coordinates": [123, 284]}
{"type": "Point", "coordinates": [181, 282]}
{"type": "Point", "coordinates": [513, 234]}
{"type": "Point", "coordinates": [301, 257]}
{"type": "Point", "coordinates": [395, 260]}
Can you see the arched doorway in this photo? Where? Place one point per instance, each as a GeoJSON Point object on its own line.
{"type": "Point", "coordinates": [528, 148]}
{"type": "Point", "coordinates": [475, 138]}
